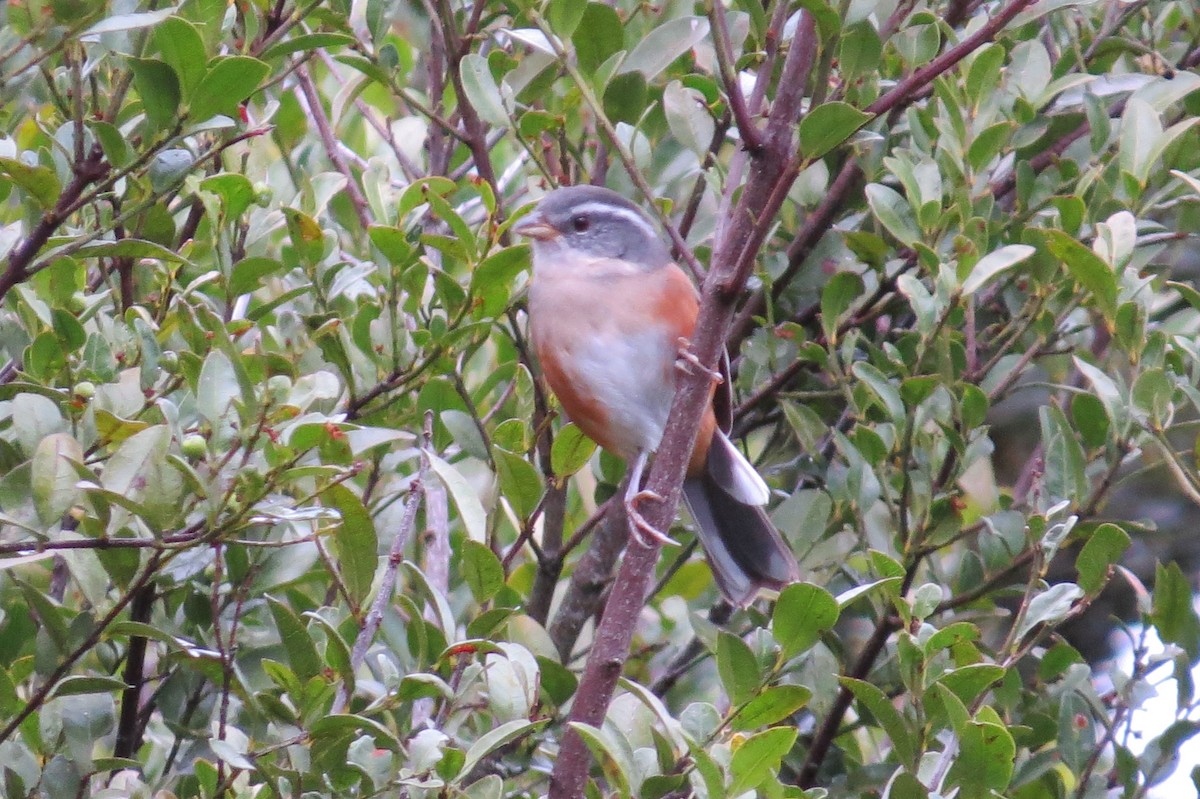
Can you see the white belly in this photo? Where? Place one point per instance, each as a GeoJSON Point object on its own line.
{"type": "Point", "coordinates": [630, 375]}
{"type": "Point", "coordinates": [625, 374]}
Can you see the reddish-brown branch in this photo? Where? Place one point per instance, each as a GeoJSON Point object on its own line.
{"type": "Point", "coordinates": [737, 244]}
{"type": "Point", "coordinates": [87, 172]}
{"type": "Point", "coordinates": [129, 731]}
{"type": "Point", "coordinates": [43, 693]}
{"type": "Point", "coordinates": [925, 75]}
{"type": "Point", "coordinates": [333, 148]}
{"type": "Point", "coordinates": [747, 130]}
{"type": "Point", "coordinates": [590, 577]}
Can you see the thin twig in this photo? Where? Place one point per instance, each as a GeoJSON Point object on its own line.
{"type": "Point", "coordinates": [383, 597]}
{"type": "Point", "coordinates": [333, 151]}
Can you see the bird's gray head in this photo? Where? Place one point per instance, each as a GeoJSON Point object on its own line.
{"type": "Point", "coordinates": [593, 222]}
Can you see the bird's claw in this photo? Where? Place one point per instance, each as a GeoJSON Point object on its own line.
{"type": "Point", "coordinates": [641, 530]}
{"type": "Point", "coordinates": [687, 360]}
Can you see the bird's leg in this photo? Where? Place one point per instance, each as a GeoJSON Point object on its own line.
{"type": "Point", "coordinates": [687, 360]}
{"type": "Point", "coordinates": [639, 529]}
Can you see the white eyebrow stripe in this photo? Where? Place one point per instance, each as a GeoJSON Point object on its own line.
{"type": "Point", "coordinates": [627, 214]}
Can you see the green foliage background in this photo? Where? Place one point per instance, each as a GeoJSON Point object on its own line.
{"type": "Point", "coordinates": [286, 512]}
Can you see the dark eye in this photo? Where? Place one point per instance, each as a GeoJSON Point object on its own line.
{"type": "Point", "coordinates": [580, 223]}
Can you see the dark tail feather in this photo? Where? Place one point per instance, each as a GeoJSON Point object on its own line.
{"type": "Point", "coordinates": [744, 549]}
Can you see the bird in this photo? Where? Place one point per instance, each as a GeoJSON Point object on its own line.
{"type": "Point", "coordinates": [610, 317]}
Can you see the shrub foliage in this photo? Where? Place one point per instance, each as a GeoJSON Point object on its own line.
{"type": "Point", "coordinates": [285, 511]}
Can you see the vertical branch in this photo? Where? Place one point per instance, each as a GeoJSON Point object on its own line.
{"type": "Point", "coordinates": [473, 127]}
{"type": "Point", "coordinates": [591, 575]}
{"type": "Point", "coordinates": [438, 140]}
{"type": "Point", "coordinates": [770, 175]}
{"type": "Point", "coordinates": [436, 564]}
{"type": "Point", "coordinates": [747, 130]}
{"type": "Point", "coordinates": [554, 506]}
{"type": "Point", "coordinates": [84, 173]}
{"type": "Point", "coordinates": [42, 694]}
{"type": "Point", "coordinates": [333, 148]}
{"type": "Point", "coordinates": [128, 730]}
{"type": "Point", "coordinates": [387, 586]}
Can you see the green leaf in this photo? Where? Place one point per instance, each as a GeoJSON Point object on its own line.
{"type": "Point", "coordinates": [130, 248]}
{"type": "Point", "coordinates": [985, 760]}
{"type": "Point", "coordinates": [54, 476]}
{"type": "Point", "coordinates": [598, 36]}
{"type": "Point", "coordinates": [357, 725]}
{"type": "Point", "coordinates": [881, 387]}
{"type": "Point", "coordinates": [307, 42]}
{"type": "Point", "coordinates": [773, 705]}
{"type": "Point", "coordinates": [229, 81]}
{"type": "Point", "coordinates": [988, 144]}
{"type": "Point", "coordinates": [235, 190]}
{"type": "Point", "coordinates": [608, 744]}
{"type": "Point", "coordinates": [879, 705]}
{"type": "Point", "coordinates": [1173, 613]}
{"type": "Point", "coordinates": [1049, 607]}
{"type": "Point", "coordinates": [906, 786]}
{"type": "Point", "coordinates": [956, 633]}
{"type": "Point", "coordinates": [140, 472]}
{"type": "Point", "coordinates": [112, 142]}
{"type": "Point", "coordinates": [802, 614]}
{"type": "Point", "coordinates": [493, 739]}
{"type": "Point", "coordinates": [738, 668]}
{"type": "Point", "coordinates": [520, 481]}
{"type": "Point", "coordinates": [1065, 463]}
{"type": "Point", "coordinates": [664, 44]}
{"type": "Point", "coordinates": [1151, 395]}
{"type": "Point", "coordinates": [217, 387]}
{"type": "Point", "coordinates": [39, 182]}
{"type": "Point", "coordinates": [828, 125]}
{"type": "Point", "coordinates": [466, 499]}
{"type": "Point", "coordinates": [688, 118]}
{"type": "Point", "coordinates": [354, 541]}
{"type": "Point", "coordinates": [482, 91]}
{"type": "Point", "coordinates": [1141, 129]}
{"type": "Point", "coordinates": [491, 281]}
{"type": "Point", "coordinates": [337, 652]}
{"type": "Point", "coordinates": [969, 682]}
{"type": "Point", "coordinates": [625, 98]}
{"type": "Point", "coordinates": [564, 16]}
{"type": "Point", "coordinates": [420, 686]}
{"type": "Point", "coordinates": [859, 50]}
{"type": "Point", "coordinates": [49, 615]}
{"type": "Point", "coordinates": [158, 86]}
{"type": "Point", "coordinates": [1088, 269]}
{"type": "Point", "coordinates": [759, 756]}
{"type": "Point", "coordinates": [1090, 419]}
{"type": "Point", "coordinates": [293, 634]}
{"type": "Point", "coordinates": [993, 264]}
{"type": "Point", "coordinates": [127, 22]}
{"type": "Point", "coordinates": [571, 451]}
{"type": "Point", "coordinates": [482, 570]}
{"type": "Point", "coordinates": [182, 48]}
{"type": "Point", "coordinates": [894, 213]}
{"type": "Point", "coordinates": [115, 429]}
{"type": "Point", "coordinates": [837, 296]}
{"type": "Point", "coordinates": [248, 273]}
{"type": "Point", "coordinates": [1103, 550]}
{"type": "Point", "coordinates": [983, 75]}
{"type": "Point", "coordinates": [80, 684]}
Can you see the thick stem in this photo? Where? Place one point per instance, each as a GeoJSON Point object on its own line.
{"type": "Point", "coordinates": [128, 729]}
{"type": "Point", "coordinates": [737, 243]}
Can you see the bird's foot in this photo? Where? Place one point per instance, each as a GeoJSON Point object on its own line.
{"type": "Point", "coordinates": [687, 360]}
{"type": "Point", "coordinates": [641, 530]}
